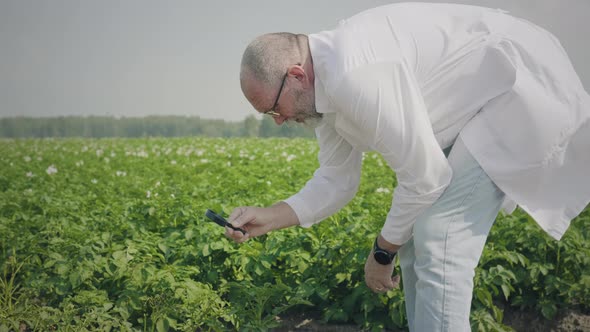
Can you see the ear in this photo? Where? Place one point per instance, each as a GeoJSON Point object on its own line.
{"type": "Point", "coordinates": [299, 73]}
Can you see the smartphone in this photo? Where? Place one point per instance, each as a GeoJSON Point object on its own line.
{"type": "Point", "coordinates": [219, 220]}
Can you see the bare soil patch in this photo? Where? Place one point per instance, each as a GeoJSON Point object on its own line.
{"type": "Point", "coordinates": [525, 321]}
{"type": "Point", "coordinates": [567, 321]}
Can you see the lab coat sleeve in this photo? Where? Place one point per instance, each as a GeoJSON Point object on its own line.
{"type": "Point", "coordinates": [333, 184]}
{"type": "Point", "coordinates": [384, 102]}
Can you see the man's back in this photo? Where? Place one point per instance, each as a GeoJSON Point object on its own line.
{"type": "Point", "coordinates": [448, 48]}
{"type": "Point", "coordinates": [504, 84]}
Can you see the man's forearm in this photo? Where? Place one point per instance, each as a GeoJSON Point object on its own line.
{"type": "Point", "coordinates": [284, 215]}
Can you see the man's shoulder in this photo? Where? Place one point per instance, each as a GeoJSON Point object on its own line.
{"type": "Point", "coordinates": [338, 52]}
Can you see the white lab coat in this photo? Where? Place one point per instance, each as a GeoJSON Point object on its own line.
{"type": "Point", "coordinates": [406, 79]}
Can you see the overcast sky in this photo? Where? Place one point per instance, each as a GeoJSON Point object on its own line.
{"type": "Point", "coordinates": [136, 58]}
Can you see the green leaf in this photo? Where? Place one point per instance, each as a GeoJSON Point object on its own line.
{"type": "Point", "coordinates": [302, 266]}
{"type": "Point", "coordinates": [265, 263]}
{"type": "Point", "coordinates": [258, 270]}
{"type": "Point", "coordinates": [548, 310]}
{"type": "Point", "coordinates": [205, 251]}
{"type": "Point", "coordinates": [506, 291]}
{"type": "Point", "coordinates": [217, 245]}
{"type": "Point", "coordinates": [162, 325]}
{"type": "Point", "coordinates": [62, 269]}
{"type": "Point", "coordinates": [484, 296]}
{"type": "Point", "coordinates": [164, 248]}
{"type": "Point", "coordinates": [340, 277]}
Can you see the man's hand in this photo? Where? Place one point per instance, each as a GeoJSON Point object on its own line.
{"type": "Point", "coordinates": [257, 221]}
{"type": "Point", "coordinates": [377, 276]}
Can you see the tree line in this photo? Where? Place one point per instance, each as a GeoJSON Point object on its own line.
{"type": "Point", "coordinates": [149, 126]}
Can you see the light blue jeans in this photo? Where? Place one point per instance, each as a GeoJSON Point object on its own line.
{"type": "Point", "coordinates": [438, 263]}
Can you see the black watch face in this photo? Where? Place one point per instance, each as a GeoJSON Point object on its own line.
{"type": "Point", "coordinates": [382, 258]}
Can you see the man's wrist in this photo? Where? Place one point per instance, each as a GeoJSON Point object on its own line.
{"type": "Point", "coordinates": [381, 255]}
{"type": "Point", "coordinates": [386, 245]}
{"type": "Point", "coordinates": [284, 215]}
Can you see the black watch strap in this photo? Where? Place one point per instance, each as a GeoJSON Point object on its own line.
{"type": "Point", "coordinates": [382, 256]}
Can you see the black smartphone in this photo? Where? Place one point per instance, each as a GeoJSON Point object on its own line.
{"type": "Point", "coordinates": [219, 220]}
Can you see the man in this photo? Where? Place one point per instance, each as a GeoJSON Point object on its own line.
{"type": "Point", "coordinates": [414, 81]}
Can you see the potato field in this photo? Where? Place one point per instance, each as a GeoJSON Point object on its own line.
{"type": "Point", "coordinates": [110, 235]}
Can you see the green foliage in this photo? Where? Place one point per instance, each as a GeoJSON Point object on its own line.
{"type": "Point", "coordinates": [524, 268]}
{"type": "Point", "coordinates": [116, 240]}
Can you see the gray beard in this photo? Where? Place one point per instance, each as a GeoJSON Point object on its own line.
{"type": "Point", "coordinates": [305, 109]}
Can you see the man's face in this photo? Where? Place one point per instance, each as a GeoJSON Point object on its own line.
{"type": "Point", "coordinates": [294, 101]}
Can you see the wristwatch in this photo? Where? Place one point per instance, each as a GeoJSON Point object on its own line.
{"type": "Point", "coordinates": [382, 256]}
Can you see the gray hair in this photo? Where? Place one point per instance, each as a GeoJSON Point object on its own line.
{"type": "Point", "coordinates": [267, 57]}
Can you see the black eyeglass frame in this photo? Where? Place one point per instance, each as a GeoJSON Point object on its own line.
{"type": "Point", "coordinates": [272, 111]}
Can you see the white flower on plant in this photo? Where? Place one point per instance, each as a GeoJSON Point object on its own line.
{"type": "Point", "coordinates": [204, 161]}
{"type": "Point", "coordinates": [94, 181]}
{"type": "Point", "coordinates": [99, 152]}
{"type": "Point", "coordinates": [383, 190]}
{"type": "Point", "coordinates": [79, 163]}
{"type": "Point", "coordinates": [51, 170]}
{"type": "Point", "coordinates": [291, 157]}
{"type": "Point", "coordinates": [113, 155]}
{"type": "Point", "coordinates": [39, 158]}
{"type": "Point", "coordinates": [229, 163]}
{"type": "Point", "coordinates": [28, 191]}
{"type": "Point", "coordinates": [148, 194]}
{"type": "Point", "coordinates": [30, 174]}
{"type": "Point", "coordinates": [158, 184]}
{"type": "Point", "coordinates": [84, 148]}
{"type": "Point", "coordinates": [268, 183]}
{"type": "Point", "coordinates": [121, 173]}
{"type": "Point", "coordinates": [142, 154]}
{"type": "Point", "coordinates": [107, 160]}
{"type": "Point", "coordinates": [27, 159]}
{"type": "Point", "coordinates": [173, 162]}
{"type": "Point", "coordinates": [172, 195]}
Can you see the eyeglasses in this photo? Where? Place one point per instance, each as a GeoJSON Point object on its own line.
{"type": "Point", "coordinates": [272, 111]}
